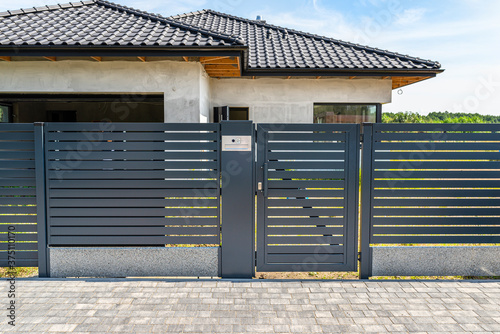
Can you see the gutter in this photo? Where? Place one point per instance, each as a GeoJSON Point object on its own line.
{"type": "Point", "coordinates": [342, 72]}
{"type": "Point", "coordinates": [121, 51]}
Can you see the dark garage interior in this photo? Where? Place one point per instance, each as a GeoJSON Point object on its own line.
{"type": "Point", "coordinates": [29, 108]}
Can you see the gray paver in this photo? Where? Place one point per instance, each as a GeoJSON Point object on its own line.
{"type": "Point", "coordinates": [224, 306]}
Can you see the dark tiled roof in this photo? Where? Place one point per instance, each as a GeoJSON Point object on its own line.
{"type": "Point", "coordinates": [273, 47]}
{"type": "Point", "coordinates": [102, 23]}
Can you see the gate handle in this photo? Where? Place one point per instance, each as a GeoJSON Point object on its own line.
{"type": "Point", "coordinates": [264, 186]}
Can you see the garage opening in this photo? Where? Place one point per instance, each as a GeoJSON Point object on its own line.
{"type": "Point", "coordinates": [29, 108]}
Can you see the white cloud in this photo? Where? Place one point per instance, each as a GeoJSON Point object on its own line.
{"type": "Point", "coordinates": [449, 29]}
{"type": "Point", "coordinates": [410, 16]}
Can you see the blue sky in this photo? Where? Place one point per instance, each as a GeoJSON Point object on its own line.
{"type": "Point", "coordinates": [463, 35]}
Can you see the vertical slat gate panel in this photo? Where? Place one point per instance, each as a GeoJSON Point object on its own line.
{"type": "Point", "coordinates": [18, 227]}
{"type": "Point", "coordinates": [132, 184]}
{"type": "Point", "coordinates": [307, 208]}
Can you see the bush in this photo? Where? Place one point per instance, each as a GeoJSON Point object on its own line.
{"type": "Point", "coordinates": [438, 117]}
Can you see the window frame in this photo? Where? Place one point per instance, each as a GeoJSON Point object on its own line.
{"type": "Point", "coordinates": [223, 113]}
{"type": "Point", "coordinates": [10, 116]}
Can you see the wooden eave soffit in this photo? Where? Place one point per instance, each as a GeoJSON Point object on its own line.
{"type": "Point", "coordinates": [398, 82]}
{"type": "Point", "coordinates": [222, 66]}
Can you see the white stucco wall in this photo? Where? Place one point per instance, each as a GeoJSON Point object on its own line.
{"type": "Point", "coordinates": [205, 93]}
{"type": "Point", "coordinates": [291, 100]}
{"type": "Point", "coordinates": [189, 93]}
{"type": "Point", "coordinates": [181, 82]}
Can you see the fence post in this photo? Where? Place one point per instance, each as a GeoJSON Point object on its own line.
{"type": "Point", "coordinates": [238, 199]}
{"type": "Point", "coordinates": [366, 199]}
{"type": "Point", "coordinates": [41, 219]}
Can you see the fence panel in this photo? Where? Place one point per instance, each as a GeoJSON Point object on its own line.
{"type": "Point", "coordinates": [435, 184]}
{"type": "Point", "coordinates": [18, 203]}
{"type": "Point", "coordinates": [124, 184]}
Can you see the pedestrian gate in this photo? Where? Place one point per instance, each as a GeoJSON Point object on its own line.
{"type": "Point", "coordinates": [307, 198]}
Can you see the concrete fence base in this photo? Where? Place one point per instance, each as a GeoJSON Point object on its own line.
{"type": "Point", "coordinates": [133, 261]}
{"type": "Point", "coordinates": [436, 261]}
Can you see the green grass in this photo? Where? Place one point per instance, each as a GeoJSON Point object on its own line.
{"type": "Point", "coordinates": [19, 272]}
{"type": "Point", "coordinates": [435, 278]}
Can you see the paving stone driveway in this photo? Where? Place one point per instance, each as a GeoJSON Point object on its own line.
{"type": "Point", "coordinates": [252, 306]}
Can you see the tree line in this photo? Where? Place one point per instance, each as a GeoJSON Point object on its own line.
{"type": "Point", "coordinates": [438, 117]}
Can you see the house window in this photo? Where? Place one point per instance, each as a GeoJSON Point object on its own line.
{"type": "Point", "coordinates": [5, 114]}
{"type": "Point", "coordinates": [238, 113]}
{"type": "Point", "coordinates": [347, 113]}
{"type": "Point", "coordinates": [231, 114]}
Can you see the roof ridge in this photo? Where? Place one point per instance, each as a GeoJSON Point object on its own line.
{"type": "Point", "coordinates": [44, 8]}
{"type": "Point", "coordinates": [201, 11]}
{"type": "Point", "coordinates": [170, 21]}
{"type": "Point", "coordinates": [298, 32]}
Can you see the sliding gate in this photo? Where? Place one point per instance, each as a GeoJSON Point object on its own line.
{"type": "Point", "coordinates": [307, 177]}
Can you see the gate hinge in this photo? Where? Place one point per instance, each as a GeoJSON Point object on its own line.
{"type": "Point", "coordinates": [359, 256]}
{"type": "Point", "coordinates": [361, 137]}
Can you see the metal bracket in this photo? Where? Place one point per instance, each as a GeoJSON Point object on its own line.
{"type": "Point", "coordinates": [359, 256]}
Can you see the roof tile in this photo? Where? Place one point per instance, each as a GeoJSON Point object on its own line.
{"type": "Point", "coordinates": [88, 23]}
{"type": "Point", "coordinates": [301, 49]}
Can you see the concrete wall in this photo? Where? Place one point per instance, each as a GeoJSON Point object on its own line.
{"type": "Point", "coordinates": [180, 82]}
{"type": "Point", "coordinates": [133, 261]}
{"type": "Point", "coordinates": [291, 100]}
{"type": "Point", "coordinates": [436, 261]}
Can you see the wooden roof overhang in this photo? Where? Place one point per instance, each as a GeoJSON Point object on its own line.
{"type": "Point", "coordinates": [217, 61]}
{"type": "Point", "coordinates": [399, 78]}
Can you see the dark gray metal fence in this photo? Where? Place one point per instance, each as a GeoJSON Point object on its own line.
{"type": "Point", "coordinates": [430, 184]}
{"type": "Point", "coordinates": [123, 184]}
{"type": "Point", "coordinates": [308, 203]}
{"type": "Point", "coordinates": [132, 184]}
{"type": "Point", "coordinates": [18, 196]}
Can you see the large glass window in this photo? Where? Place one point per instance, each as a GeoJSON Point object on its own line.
{"type": "Point", "coordinates": [4, 114]}
{"type": "Point", "coordinates": [345, 113]}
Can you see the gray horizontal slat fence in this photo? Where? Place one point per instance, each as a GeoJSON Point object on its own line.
{"type": "Point", "coordinates": [307, 209]}
{"type": "Point", "coordinates": [18, 196]}
{"type": "Point", "coordinates": [435, 184]}
{"type": "Point", "coordinates": [125, 184]}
